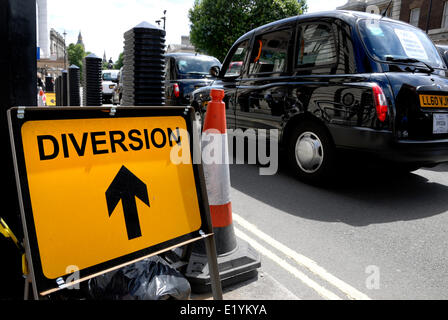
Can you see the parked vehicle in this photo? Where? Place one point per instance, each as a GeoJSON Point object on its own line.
{"type": "Point", "coordinates": [339, 80]}
{"type": "Point", "coordinates": [109, 82]}
{"type": "Point", "coordinates": [186, 72]}
{"type": "Point", "coordinates": [118, 92]}
{"type": "Point", "coordinates": [443, 50]}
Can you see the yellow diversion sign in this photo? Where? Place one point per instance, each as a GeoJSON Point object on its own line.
{"type": "Point", "coordinates": [102, 190]}
{"type": "Point", "coordinates": [51, 99]}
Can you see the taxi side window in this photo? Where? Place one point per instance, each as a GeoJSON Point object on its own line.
{"type": "Point", "coordinates": [316, 47]}
{"type": "Point", "coordinates": [270, 53]}
{"type": "Point", "coordinates": [346, 59]}
{"type": "Point", "coordinates": [170, 71]}
{"type": "Point", "coordinates": [236, 62]}
{"type": "Point", "coordinates": [167, 69]}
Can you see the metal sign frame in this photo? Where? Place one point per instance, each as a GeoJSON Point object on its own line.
{"type": "Point", "coordinates": [41, 285]}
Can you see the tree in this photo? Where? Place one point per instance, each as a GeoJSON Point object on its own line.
{"type": "Point", "coordinates": [119, 62]}
{"type": "Point", "coordinates": [217, 24]}
{"type": "Point", "coordinates": [104, 65]}
{"type": "Point", "coordinates": [76, 55]}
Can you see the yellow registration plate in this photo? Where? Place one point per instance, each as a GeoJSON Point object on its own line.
{"type": "Point", "coordinates": [433, 101]}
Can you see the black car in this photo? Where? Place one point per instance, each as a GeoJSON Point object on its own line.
{"type": "Point", "coordinates": [443, 50]}
{"type": "Point", "coordinates": [185, 72]}
{"type": "Point", "coordinates": [339, 80]}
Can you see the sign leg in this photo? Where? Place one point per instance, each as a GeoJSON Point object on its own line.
{"type": "Point", "coordinates": [212, 256]}
{"type": "Point", "coordinates": [28, 283]}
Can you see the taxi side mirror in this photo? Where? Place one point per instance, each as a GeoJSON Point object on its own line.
{"type": "Point", "coordinates": [214, 71]}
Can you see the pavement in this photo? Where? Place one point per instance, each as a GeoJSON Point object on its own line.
{"type": "Point", "coordinates": [263, 287]}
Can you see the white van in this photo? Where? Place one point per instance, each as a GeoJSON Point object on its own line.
{"type": "Point", "coordinates": [109, 83]}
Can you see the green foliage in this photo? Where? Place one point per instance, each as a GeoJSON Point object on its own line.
{"type": "Point", "coordinates": [76, 55]}
{"type": "Point", "coordinates": [119, 63]}
{"type": "Point", "coordinates": [217, 24]}
{"type": "Point", "coordinates": [105, 65]}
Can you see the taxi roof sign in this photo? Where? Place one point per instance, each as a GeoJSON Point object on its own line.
{"type": "Point", "coordinates": [98, 190]}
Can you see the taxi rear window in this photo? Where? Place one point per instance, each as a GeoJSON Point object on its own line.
{"type": "Point", "coordinates": [196, 65]}
{"type": "Point", "coordinates": [385, 40]}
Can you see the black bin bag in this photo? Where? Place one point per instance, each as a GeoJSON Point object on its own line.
{"type": "Point", "coordinates": [149, 279]}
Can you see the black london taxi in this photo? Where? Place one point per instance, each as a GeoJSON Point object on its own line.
{"type": "Point", "coordinates": [443, 50]}
{"type": "Point", "coordinates": [339, 80]}
{"type": "Point", "coordinates": [184, 73]}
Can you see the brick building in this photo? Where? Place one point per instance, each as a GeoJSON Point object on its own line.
{"type": "Point", "coordinates": [415, 12]}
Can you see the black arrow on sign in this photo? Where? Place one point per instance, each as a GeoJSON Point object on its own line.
{"type": "Point", "coordinates": [125, 187]}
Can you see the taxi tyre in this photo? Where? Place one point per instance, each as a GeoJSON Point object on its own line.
{"type": "Point", "coordinates": [311, 152]}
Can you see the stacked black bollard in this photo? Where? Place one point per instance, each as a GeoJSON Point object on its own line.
{"type": "Point", "coordinates": [73, 79]}
{"type": "Point", "coordinates": [64, 90]}
{"type": "Point", "coordinates": [57, 89]}
{"type": "Point", "coordinates": [49, 85]}
{"type": "Point", "coordinates": [144, 66]}
{"type": "Point", "coordinates": [93, 92]}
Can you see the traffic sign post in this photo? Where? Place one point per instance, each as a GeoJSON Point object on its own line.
{"type": "Point", "coordinates": [98, 190]}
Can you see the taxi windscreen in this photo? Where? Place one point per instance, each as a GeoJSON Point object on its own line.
{"type": "Point", "coordinates": [196, 65]}
{"type": "Point", "coordinates": [389, 41]}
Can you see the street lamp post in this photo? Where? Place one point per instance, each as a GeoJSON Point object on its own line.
{"type": "Point", "coordinates": [65, 52]}
{"type": "Point", "coordinates": [429, 16]}
{"type": "Point", "coordinates": [164, 19]}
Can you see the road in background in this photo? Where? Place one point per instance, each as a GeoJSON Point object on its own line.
{"type": "Point", "coordinates": [382, 235]}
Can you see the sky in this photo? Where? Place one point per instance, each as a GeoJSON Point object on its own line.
{"type": "Point", "coordinates": [103, 22]}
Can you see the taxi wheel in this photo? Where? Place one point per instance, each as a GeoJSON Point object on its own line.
{"type": "Point", "coordinates": [311, 152]}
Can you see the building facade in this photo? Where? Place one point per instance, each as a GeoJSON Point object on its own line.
{"type": "Point", "coordinates": [51, 44]}
{"type": "Point", "coordinates": [57, 45]}
{"type": "Point", "coordinates": [53, 65]}
{"type": "Point", "coordinates": [428, 15]}
{"type": "Point", "coordinates": [420, 11]}
{"type": "Point", "coordinates": [184, 46]}
{"type": "Point", "coordinates": [375, 6]}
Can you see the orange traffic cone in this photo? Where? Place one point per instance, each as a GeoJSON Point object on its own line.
{"type": "Point", "coordinates": [41, 100]}
{"type": "Point", "coordinates": [237, 261]}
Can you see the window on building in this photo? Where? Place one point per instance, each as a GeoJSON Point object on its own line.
{"type": "Point", "coordinates": [414, 17]}
{"type": "Point", "coordinates": [445, 15]}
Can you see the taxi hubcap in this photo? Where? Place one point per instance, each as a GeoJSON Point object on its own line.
{"type": "Point", "coordinates": [309, 152]}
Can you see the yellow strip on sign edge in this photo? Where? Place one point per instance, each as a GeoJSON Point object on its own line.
{"type": "Point", "coordinates": [126, 264]}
